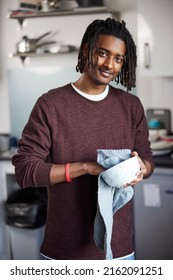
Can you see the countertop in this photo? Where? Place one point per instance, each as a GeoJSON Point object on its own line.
{"type": "Point", "coordinates": [8, 154]}
{"type": "Point", "coordinates": [160, 161]}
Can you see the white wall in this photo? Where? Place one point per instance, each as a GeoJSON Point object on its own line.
{"type": "Point", "coordinates": [156, 92]}
{"type": "Point", "coordinates": [155, 84]}
{"type": "Point", "coordinates": [4, 104]}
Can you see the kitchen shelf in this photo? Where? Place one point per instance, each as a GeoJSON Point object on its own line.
{"type": "Point", "coordinates": [21, 16]}
{"type": "Point", "coordinates": [23, 56]}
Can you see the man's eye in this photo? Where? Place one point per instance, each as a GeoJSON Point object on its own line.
{"type": "Point", "coordinates": [119, 59]}
{"type": "Point", "coordinates": [102, 53]}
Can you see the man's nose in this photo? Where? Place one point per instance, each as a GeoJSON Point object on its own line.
{"type": "Point", "coordinates": [109, 62]}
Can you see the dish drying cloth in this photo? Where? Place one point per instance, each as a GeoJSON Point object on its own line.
{"type": "Point", "coordinates": [110, 198]}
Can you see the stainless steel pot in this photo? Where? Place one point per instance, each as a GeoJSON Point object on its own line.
{"type": "Point", "coordinates": [50, 5]}
{"type": "Point", "coordinates": [27, 45]}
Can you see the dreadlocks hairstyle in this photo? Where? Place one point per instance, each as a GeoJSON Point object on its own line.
{"type": "Point", "coordinates": [127, 76]}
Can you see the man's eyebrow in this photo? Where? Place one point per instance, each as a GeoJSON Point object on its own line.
{"type": "Point", "coordinates": [101, 48]}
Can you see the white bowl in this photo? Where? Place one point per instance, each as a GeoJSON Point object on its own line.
{"type": "Point", "coordinates": [155, 134]}
{"type": "Point", "coordinates": [122, 173]}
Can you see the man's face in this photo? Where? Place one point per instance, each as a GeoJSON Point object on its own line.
{"type": "Point", "coordinates": [108, 59]}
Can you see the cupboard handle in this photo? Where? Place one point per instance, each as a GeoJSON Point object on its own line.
{"type": "Point", "coordinates": [147, 55]}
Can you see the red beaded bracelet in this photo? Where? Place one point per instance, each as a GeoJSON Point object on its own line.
{"type": "Point", "coordinates": [67, 175]}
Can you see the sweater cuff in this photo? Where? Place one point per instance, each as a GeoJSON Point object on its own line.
{"type": "Point", "coordinates": [42, 174]}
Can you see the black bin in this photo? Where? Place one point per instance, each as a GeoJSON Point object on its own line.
{"type": "Point", "coordinates": [27, 208]}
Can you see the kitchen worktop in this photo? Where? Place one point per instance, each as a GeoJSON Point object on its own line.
{"type": "Point", "coordinates": [8, 154]}
{"type": "Point", "coordinates": [160, 161]}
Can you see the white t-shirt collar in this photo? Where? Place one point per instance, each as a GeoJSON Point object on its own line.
{"type": "Point", "coordinates": [93, 97]}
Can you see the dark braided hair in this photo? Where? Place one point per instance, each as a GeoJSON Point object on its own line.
{"type": "Point", "coordinates": [127, 76]}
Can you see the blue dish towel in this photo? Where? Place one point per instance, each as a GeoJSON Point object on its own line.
{"type": "Point", "coordinates": [110, 198]}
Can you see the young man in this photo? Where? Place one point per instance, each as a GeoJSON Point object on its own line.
{"type": "Point", "coordinates": [67, 126]}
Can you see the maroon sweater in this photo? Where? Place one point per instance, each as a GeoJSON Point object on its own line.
{"type": "Point", "coordinates": [66, 127]}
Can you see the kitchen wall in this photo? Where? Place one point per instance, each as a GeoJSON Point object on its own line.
{"type": "Point", "coordinates": [155, 82]}
{"type": "Point", "coordinates": [156, 92]}
{"type": "Point", "coordinates": [42, 73]}
{"type": "Point", "coordinates": [4, 105]}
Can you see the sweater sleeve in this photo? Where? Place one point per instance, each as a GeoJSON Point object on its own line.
{"type": "Point", "coordinates": [142, 144]}
{"type": "Point", "coordinates": [31, 162]}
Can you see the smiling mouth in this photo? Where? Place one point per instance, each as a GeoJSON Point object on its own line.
{"type": "Point", "coordinates": [105, 73]}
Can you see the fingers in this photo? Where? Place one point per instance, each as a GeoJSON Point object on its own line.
{"type": "Point", "coordinates": [134, 154]}
{"type": "Point", "coordinates": [140, 174]}
{"type": "Point", "coordinates": [134, 182]}
{"type": "Point", "coordinates": [143, 169]}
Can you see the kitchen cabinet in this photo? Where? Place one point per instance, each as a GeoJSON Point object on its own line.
{"type": "Point", "coordinates": [155, 21]}
{"type": "Point", "coordinates": [6, 179]}
{"type": "Point", "coordinates": [153, 223]}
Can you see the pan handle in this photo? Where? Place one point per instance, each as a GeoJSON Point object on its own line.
{"type": "Point", "coordinates": [42, 36]}
{"type": "Point", "coordinates": [45, 43]}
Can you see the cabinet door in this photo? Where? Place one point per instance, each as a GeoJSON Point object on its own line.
{"type": "Point", "coordinates": [6, 170]}
{"type": "Point", "coordinates": [153, 208]}
{"type": "Point", "coordinates": [155, 23]}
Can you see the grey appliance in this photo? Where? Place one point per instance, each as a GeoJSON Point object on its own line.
{"type": "Point", "coordinates": [162, 118]}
